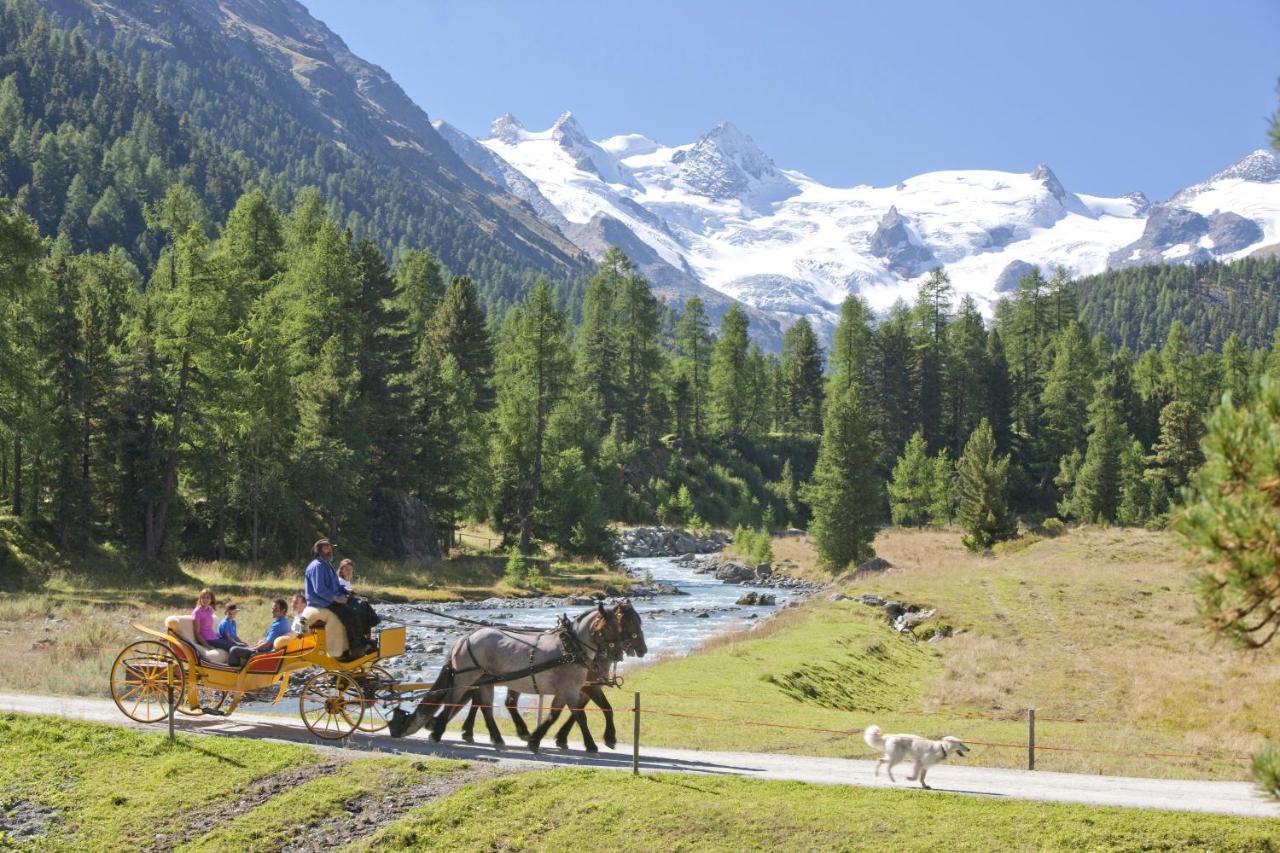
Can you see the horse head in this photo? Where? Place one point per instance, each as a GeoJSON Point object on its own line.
{"type": "Point", "coordinates": [605, 633]}
{"type": "Point", "coordinates": [632, 632]}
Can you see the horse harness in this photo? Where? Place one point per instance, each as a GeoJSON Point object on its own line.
{"type": "Point", "coordinates": [573, 650]}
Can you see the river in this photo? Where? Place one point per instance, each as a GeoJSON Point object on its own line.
{"type": "Point", "coordinates": [673, 624]}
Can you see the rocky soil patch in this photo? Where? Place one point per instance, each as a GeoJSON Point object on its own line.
{"type": "Point", "coordinates": [903, 618]}
{"type": "Point", "coordinates": [23, 822]}
{"type": "Point", "coordinates": [364, 815]}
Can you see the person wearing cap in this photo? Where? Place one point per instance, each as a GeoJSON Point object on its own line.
{"type": "Point", "coordinates": [325, 593]}
{"type": "Point", "coordinates": [227, 627]}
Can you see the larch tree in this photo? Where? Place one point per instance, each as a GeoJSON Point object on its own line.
{"type": "Point", "coordinates": [846, 490]}
{"type": "Point", "coordinates": [981, 484]}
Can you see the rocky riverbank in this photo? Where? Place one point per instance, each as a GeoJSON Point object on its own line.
{"type": "Point", "coordinates": [734, 572]}
{"type": "Point", "coordinates": [668, 542]}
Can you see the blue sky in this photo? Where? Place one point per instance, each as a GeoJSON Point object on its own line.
{"type": "Point", "coordinates": [1115, 96]}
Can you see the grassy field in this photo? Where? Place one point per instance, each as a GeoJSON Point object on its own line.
{"type": "Point", "coordinates": [61, 636]}
{"type": "Point", "coordinates": [110, 788]}
{"type": "Point", "coordinates": [564, 809]}
{"type": "Point", "coordinates": [1095, 629]}
{"type": "Point", "coordinates": [66, 785]}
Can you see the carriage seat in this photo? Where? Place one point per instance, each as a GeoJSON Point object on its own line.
{"type": "Point", "coordinates": [335, 634]}
{"type": "Point", "coordinates": [184, 627]}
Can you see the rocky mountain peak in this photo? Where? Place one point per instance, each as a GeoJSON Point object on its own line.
{"type": "Point", "coordinates": [506, 127]}
{"type": "Point", "coordinates": [726, 163]}
{"type": "Point", "coordinates": [569, 133]}
{"type": "Point", "coordinates": [1260, 166]}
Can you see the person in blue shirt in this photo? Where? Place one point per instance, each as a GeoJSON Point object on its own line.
{"type": "Point", "coordinates": [323, 590]}
{"type": "Point", "coordinates": [227, 628]}
{"type": "Point", "coordinates": [278, 628]}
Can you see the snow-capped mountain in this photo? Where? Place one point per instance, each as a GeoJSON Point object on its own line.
{"type": "Point", "coordinates": [719, 213]}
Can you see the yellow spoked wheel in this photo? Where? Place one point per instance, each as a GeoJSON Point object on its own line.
{"type": "Point", "coordinates": [332, 705]}
{"type": "Point", "coordinates": [210, 701]}
{"type": "Point", "coordinates": [140, 680]}
{"type": "Point", "coordinates": [376, 683]}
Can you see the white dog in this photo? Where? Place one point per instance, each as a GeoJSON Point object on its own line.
{"type": "Point", "coordinates": [924, 752]}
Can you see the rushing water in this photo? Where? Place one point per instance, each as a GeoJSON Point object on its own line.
{"type": "Point", "coordinates": [673, 624]}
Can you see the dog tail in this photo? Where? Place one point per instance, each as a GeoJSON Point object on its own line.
{"type": "Point", "coordinates": [873, 737]}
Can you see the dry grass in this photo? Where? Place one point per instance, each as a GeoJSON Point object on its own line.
{"type": "Point", "coordinates": [63, 638]}
{"type": "Point", "coordinates": [795, 556]}
{"type": "Point", "coordinates": [1096, 629]}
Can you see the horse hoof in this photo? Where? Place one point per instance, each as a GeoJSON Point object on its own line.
{"type": "Point", "coordinates": [499, 743]}
{"type": "Point", "coordinates": [592, 748]}
{"type": "Point", "coordinates": [533, 747]}
{"type": "Point", "coordinates": [468, 737]}
{"type": "Point", "coordinates": [611, 742]}
{"type": "Point", "coordinates": [562, 744]}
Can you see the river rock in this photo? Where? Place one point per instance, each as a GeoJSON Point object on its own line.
{"type": "Point", "coordinates": [874, 565]}
{"type": "Point", "coordinates": [734, 573]}
{"type": "Point", "coordinates": [747, 599]}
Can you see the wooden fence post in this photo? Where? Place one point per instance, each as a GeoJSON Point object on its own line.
{"type": "Point", "coordinates": [635, 737]}
{"type": "Point", "coordinates": [1031, 738]}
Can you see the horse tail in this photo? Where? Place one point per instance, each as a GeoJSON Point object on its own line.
{"type": "Point", "coordinates": [439, 689]}
{"type": "Point", "coordinates": [872, 736]}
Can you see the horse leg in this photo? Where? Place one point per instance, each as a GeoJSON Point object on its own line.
{"type": "Point", "coordinates": [468, 727]}
{"type": "Point", "coordinates": [513, 708]}
{"type": "Point", "coordinates": [580, 715]}
{"type": "Point", "coordinates": [485, 698]}
{"type": "Point", "coordinates": [452, 705]}
{"type": "Point", "coordinates": [596, 693]}
{"type": "Point", "coordinates": [535, 737]}
{"type": "Point", "coordinates": [562, 736]}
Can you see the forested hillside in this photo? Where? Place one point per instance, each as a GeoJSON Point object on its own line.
{"type": "Point", "coordinates": [1136, 306]}
{"type": "Point", "coordinates": [97, 120]}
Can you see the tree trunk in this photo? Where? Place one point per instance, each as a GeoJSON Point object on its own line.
{"type": "Point", "coordinates": [17, 475]}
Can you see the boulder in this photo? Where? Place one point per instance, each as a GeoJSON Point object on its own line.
{"type": "Point", "coordinates": [875, 564]}
{"type": "Point", "coordinates": [870, 599]}
{"type": "Point", "coordinates": [402, 528]}
{"type": "Point", "coordinates": [766, 600]}
{"type": "Point", "coordinates": [893, 609]}
{"type": "Point", "coordinates": [734, 573]}
{"type": "Point", "coordinates": [748, 599]}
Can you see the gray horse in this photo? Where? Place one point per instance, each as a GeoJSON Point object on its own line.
{"type": "Point", "coordinates": [632, 644]}
{"type": "Point", "coordinates": [556, 663]}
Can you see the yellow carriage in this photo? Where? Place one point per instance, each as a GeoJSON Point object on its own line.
{"type": "Point", "coordinates": [337, 699]}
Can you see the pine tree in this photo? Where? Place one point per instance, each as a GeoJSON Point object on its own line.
{"type": "Point", "coordinates": [1177, 452]}
{"type": "Point", "coordinates": [1135, 489]}
{"type": "Point", "coordinates": [998, 392]}
{"type": "Point", "coordinates": [730, 403]}
{"type": "Point", "coordinates": [1235, 370]}
{"type": "Point", "coordinates": [693, 347]}
{"type": "Point", "coordinates": [1068, 389]}
{"type": "Point", "coordinates": [981, 482]}
{"type": "Point", "coordinates": [420, 289]}
{"type": "Point", "coordinates": [942, 504]}
{"type": "Point", "coordinates": [636, 326]}
{"type": "Point", "coordinates": [912, 488]}
{"type": "Point", "coordinates": [852, 345]}
{"type": "Point", "coordinates": [966, 374]}
{"type": "Point", "coordinates": [597, 344]}
{"type": "Point", "coordinates": [801, 379]}
{"type": "Point", "coordinates": [458, 328]}
{"type": "Point", "coordinates": [533, 373]}
{"type": "Point", "coordinates": [1096, 492]}
{"type": "Point", "coordinates": [846, 490]}
{"type": "Point", "coordinates": [933, 317]}
{"type": "Point", "coordinates": [1230, 521]}
{"type": "Point", "coordinates": [894, 357]}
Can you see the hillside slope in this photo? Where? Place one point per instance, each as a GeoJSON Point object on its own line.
{"type": "Point", "coordinates": [271, 84]}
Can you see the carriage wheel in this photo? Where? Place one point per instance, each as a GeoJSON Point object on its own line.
{"type": "Point", "coordinates": [140, 680]}
{"type": "Point", "coordinates": [332, 705]}
{"type": "Point", "coordinates": [376, 684]}
{"type": "Point", "coordinates": [210, 701]}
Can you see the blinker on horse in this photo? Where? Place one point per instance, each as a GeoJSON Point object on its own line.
{"type": "Point", "coordinates": [557, 663]}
